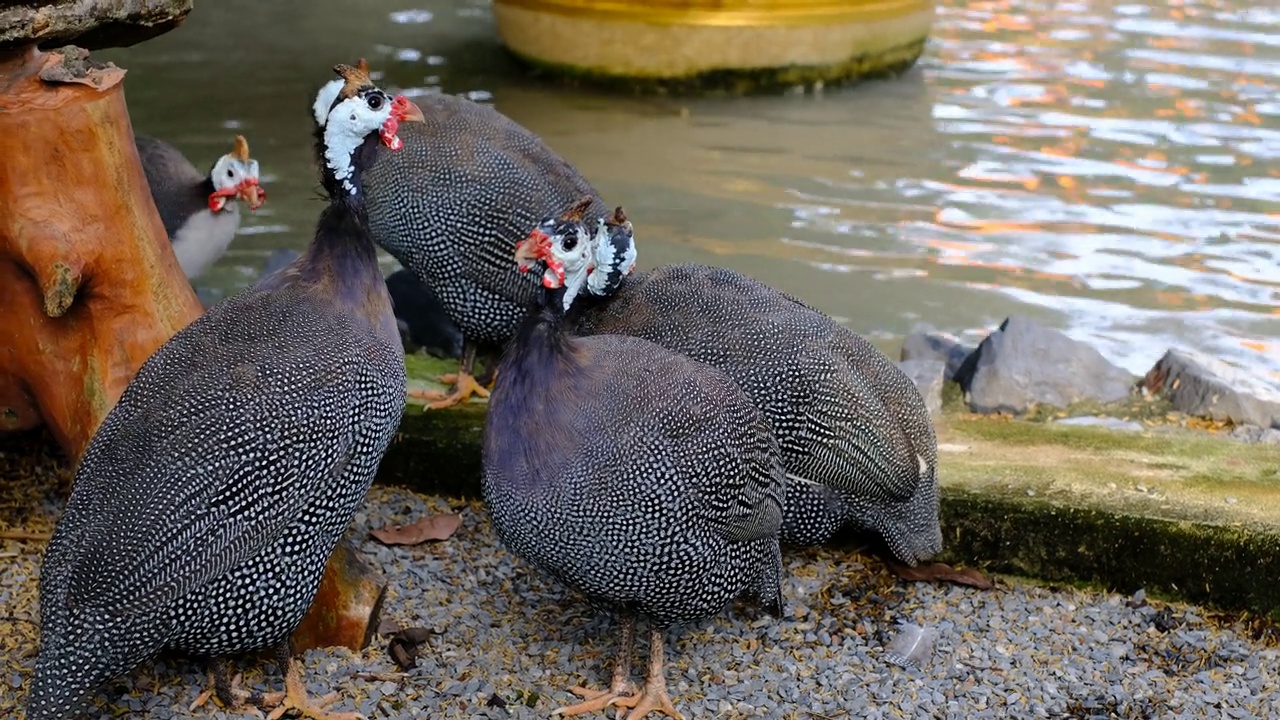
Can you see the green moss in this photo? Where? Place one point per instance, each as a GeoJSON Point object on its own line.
{"type": "Point", "coordinates": [952, 398]}
{"type": "Point", "coordinates": [61, 291]}
{"type": "Point", "coordinates": [1217, 566]}
{"type": "Point", "coordinates": [1136, 407]}
{"type": "Point", "coordinates": [1086, 506]}
{"type": "Point", "coordinates": [437, 451]}
{"type": "Point", "coordinates": [426, 368]}
{"type": "Point", "coordinates": [94, 391]}
{"type": "Point", "coordinates": [1214, 456]}
{"type": "Point", "coordinates": [892, 61]}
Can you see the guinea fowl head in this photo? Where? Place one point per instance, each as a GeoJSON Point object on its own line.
{"type": "Point", "coordinates": [562, 244]}
{"type": "Point", "coordinates": [357, 109]}
{"type": "Point", "coordinates": [328, 93]}
{"type": "Point", "coordinates": [614, 255]}
{"type": "Point", "coordinates": [235, 175]}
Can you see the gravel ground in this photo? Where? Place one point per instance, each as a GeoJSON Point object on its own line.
{"type": "Point", "coordinates": [510, 643]}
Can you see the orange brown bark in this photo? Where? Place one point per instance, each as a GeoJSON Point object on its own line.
{"type": "Point", "coordinates": [89, 285]}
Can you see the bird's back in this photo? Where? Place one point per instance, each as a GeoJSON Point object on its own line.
{"type": "Point", "coordinates": [252, 433]}
{"type": "Point", "coordinates": [173, 181]}
{"type": "Point", "coordinates": [845, 416]}
{"type": "Point", "coordinates": [646, 480]}
{"type": "Point", "coordinates": [469, 184]}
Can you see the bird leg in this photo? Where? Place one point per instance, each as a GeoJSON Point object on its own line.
{"type": "Point", "coordinates": [654, 697]}
{"type": "Point", "coordinates": [487, 379]}
{"type": "Point", "coordinates": [464, 384]}
{"type": "Point", "coordinates": [295, 694]}
{"type": "Point", "coordinates": [620, 688]}
{"type": "Point", "coordinates": [229, 694]}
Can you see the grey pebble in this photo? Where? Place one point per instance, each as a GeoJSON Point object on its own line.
{"type": "Point", "coordinates": [507, 632]}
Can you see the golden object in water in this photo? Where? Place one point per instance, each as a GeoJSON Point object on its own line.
{"type": "Point", "coordinates": [701, 42]}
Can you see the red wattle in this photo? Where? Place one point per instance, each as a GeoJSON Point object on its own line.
{"type": "Point", "coordinates": [389, 129]}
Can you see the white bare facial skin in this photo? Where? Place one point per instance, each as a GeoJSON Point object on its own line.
{"type": "Point", "coordinates": [348, 124]}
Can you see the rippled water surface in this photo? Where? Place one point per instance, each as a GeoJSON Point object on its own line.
{"type": "Point", "coordinates": [1113, 169]}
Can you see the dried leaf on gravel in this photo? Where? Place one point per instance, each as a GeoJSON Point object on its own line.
{"type": "Point", "coordinates": [942, 573]}
{"type": "Point", "coordinates": [404, 645]}
{"type": "Point", "coordinates": [431, 527]}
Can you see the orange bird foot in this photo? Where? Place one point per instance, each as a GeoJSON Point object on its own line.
{"type": "Point", "coordinates": [296, 698]}
{"type": "Point", "coordinates": [596, 700]}
{"type": "Point", "coordinates": [463, 390]}
{"type": "Point", "coordinates": [653, 699]}
{"type": "Point", "coordinates": [235, 698]}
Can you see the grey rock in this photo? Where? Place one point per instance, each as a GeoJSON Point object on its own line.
{"type": "Point", "coordinates": [928, 375]}
{"type": "Point", "coordinates": [1255, 434]}
{"type": "Point", "coordinates": [1024, 363]}
{"type": "Point", "coordinates": [1203, 386]}
{"type": "Point", "coordinates": [1106, 422]}
{"type": "Point", "coordinates": [1024, 652]}
{"type": "Point", "coordinates": [936, 346]}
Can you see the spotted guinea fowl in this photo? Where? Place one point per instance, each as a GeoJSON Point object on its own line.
{"type": "Point", "coordinates": [643, 480]}
{"type": "Point", "coordinates": [451, 207]}
{"type": "Point", "coordinates": [199, 210]}
{"type": "Point", "coordinates": [856, 438]}
{"type": "Point", "coordinates": [208, 502]}
{"type": "Point", "coordinates": [423, 324]}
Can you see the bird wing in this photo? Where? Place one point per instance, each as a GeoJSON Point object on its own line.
{"type": "Point", "coordinates": [719, 440]}
{"type": "Point", "coordinates": [836, 427]}
{"type": "Point", "coordinates": [216, 446]}
{"type": "Point", "coordinates": [173, 181]}
{"type": "Point", "coordinates": [745, 502]}
{"type": "Point", "coordinates": [849, 440]}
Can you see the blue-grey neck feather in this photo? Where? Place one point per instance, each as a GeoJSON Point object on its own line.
{"type": "Point", "coordinates": [343, 254]}
{"type": "Point", "coordinates": [535, 393]}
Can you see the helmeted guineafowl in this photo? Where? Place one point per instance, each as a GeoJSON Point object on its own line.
{"type": "Point", "coordinates": [206, 506]}
{"type": "Point", "coordinates": [856, 438]}
{"type": "Point", "coordinates": [451, 207]}
{"type": "Point", "coordinates": [642, 479]}
{"type": "Point", "coordinates": [199, 210]}
{"type": "Point", "coordinates": [423, 323]}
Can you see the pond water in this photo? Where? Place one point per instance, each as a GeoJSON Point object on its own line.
{"type": "Point", "coordinates": [1112, 169]}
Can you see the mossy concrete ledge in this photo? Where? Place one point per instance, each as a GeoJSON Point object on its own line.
{"type": "Point", "coordinates": [1184, 514]}
{"type": "Point", "coordinates": [692, 46]}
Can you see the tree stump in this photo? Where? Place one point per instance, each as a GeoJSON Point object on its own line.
{"type": "Point", "coordinates": [347, 606]}
{"type": "Point", "coordinates": [89, 285]}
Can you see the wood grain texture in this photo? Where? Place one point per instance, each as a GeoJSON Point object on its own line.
{"type": "Point", "coordinates": [89, 286]}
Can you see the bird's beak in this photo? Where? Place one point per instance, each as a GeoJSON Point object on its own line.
{"type": "Point", "coordinates": [405, 110]}
{"type": "Point", "coordinates": [402, 110]}
{"type": "Point", "coordinates": [252, 194]}
{"type": "Point", "coordinates": [531, 250]}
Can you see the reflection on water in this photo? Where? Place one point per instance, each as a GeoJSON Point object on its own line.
{"type": "Point", "coordinates": [1111, 169]}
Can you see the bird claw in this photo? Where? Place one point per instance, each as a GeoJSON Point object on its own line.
{"type": "Point", "coordinates": [465, 387]}
{"type": "Point", "coordinates": [596, 700]}
{"type": "Point", "coordinates": [201, 699]}
{"type": "Point", "coordinates": [593, 700]}
{"type": "Point", "coordinates": [243, 700]}
{"type": "Point", "coordinates": [314, 709]}
{"type": "Point", "coordinates": [653, 699]}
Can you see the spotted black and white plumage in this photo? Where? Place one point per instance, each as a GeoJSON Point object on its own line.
{"type": "Point", "coordinates": [450, 206]}
{"type": "Point", "coordinates": [644, 480]}
{"type": "Point", "coordinates": [856, 438]}
{"type": "Point", "coordinates": [206, 505]}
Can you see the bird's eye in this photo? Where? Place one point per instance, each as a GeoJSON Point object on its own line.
{"type": "Point", "coordinates": [374, 102]}
{"type": "Point", "coordinates": [570, 242]}
{"type": "Point", "coordinates": [231, 173]}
